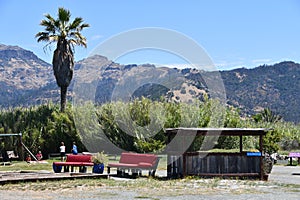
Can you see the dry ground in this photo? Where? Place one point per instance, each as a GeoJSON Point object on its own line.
{"type": "Point", "coordinates": [281, 185]}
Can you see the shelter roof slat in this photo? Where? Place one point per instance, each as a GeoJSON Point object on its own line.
{"type": "Point", "coordinates": [218, 131]}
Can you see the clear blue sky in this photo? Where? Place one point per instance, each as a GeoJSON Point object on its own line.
{"type": "Point", "coordinates": [234, 33]}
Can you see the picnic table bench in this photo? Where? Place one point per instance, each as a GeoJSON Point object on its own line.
{"type": "Point", "coordinates": [294, 155]}
{"type": "Point", "coordinates": [135, 162]}
{"type": "Point", "coordinates": [81, 161]}
{"type": "Point", "coordinates": [50, 155]}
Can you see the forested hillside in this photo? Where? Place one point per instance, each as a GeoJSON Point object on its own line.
{"type": "Point", "coordinates": [27, 80]}
{"type": "Point", "coordinates": [269, 86]}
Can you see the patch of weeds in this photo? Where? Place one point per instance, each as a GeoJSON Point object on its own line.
{"type": "Point", "coordinates": [290, 187]}
{"type": "Point", "coordinates": [215, 182]}
{"type": "Point", "coordinates": [252, 183]}
{"type": "Point", "coordinates": [296, 186]}
{"type": "Point", "coordinates": [192, 177]}
{"type": "Point", "coordinates": [294, 190]}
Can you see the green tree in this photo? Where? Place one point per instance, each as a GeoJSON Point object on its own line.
{"type": "Point", "coordinates": [267, 115]}
{"type": "Point", "coordinates": [66, 35]}
{"type": "Point", "coordinates": [271, 141]}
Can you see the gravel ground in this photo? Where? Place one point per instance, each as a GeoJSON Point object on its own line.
{"type": "Point", "coordinates": [284, 174]}
{"type": "Point", "coordinates": [282, 184]}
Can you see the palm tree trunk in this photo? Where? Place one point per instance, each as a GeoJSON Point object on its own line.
{"type": "Point", "coordinates": [63, 98]}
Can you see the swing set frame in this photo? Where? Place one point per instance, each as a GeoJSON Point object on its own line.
{"type": "Point", "coordinates": [21, 146]}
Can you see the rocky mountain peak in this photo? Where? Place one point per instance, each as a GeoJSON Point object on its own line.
{"type": "Point", "coordinates": [22, 68]}
{"type": "Point", "coordinates": [8, 53]}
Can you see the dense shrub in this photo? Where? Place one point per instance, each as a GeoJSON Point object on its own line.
{"type": "Point", "coordinates": [42, 127]}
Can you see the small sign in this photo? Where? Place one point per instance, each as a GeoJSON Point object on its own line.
{"type": "Point", "coordinates": [294, 154]}
{"type": "Point", "coordinates": [253, 153]}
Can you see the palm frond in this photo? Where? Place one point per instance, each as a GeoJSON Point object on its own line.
{"type": "Point", "coordinates": [62, 29]}
{"type": "Point", "coordinates": [42, 36]}
{"type": "Point", "coordinates": [78, 39]}
{"type": "Point", "coordinates": [57, 24]}
{"type": "Point", "coordinates": [64, 15]}
{"type": "Point", "coordinates": [46, 23]}
{"type": "Point", "coordinates": [76, 23]}
{"type": "Point", "coordinates": [47, 46]}
{"type": "Point", "coordinates": [77, 42]}
{"type": "Point", "coordinates": [49, 17]}
{"type": "Point", "coordinates": [39, 34]}
{"type": "Point", "coordinates": [49, 26]}
{"type": "Point", "coordinates": [84, 26]}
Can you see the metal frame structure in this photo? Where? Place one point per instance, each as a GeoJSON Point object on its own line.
{"type": "Point", "coordinates": [19, 142]}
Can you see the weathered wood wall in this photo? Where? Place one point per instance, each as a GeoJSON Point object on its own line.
{"type": "Point", "coordinates": [213, 163]}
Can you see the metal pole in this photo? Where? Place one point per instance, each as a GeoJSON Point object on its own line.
{"type": "Point", "coordinates": [29, 152]}
{"type": "Point", "coordinates": [21, 147]}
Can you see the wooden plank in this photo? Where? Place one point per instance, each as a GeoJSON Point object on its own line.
{"type": "Point", "coordinates": [34, 177]}
{"type": "Point", "coordinates": [217, 131]}
{"type": "Point", "coordinates": [221, 164]}
{"type": "Point", "coordinates": [184, 163]}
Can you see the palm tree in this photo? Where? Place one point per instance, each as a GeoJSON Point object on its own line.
{"type": "Point", "coordinates": [66, 35]}
{"type": "Point", "coordinates": [267, 115]}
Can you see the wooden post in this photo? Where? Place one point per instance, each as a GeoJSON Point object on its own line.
{"type": "Point", "coordinates": [169, 165]}
{"type": "Point", "coordinates": [183, 155]}
{"type": "Point", "coordinates": [261, 157]}
{"type": "Point", "coordinates": [241, 143]}
{"type": "Point", "coordinates": [184, 164]}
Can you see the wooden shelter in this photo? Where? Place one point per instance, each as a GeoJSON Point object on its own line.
{"type": "Point", "coordinates": [182, 162]}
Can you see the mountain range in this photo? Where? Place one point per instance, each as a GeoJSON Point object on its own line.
{"type": "Point", "coordinates": [27, 80]}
